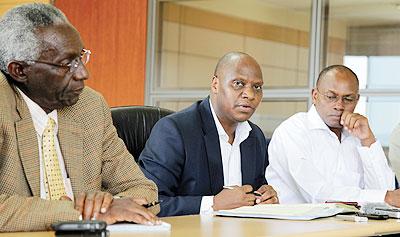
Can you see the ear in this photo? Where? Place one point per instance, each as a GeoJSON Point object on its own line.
{"type": "Point", "coordinates": [16, 71]}
{"type": "Point", "coordinates": [214, 84]}
{"type": "Point", "coordinates": [314, 95]}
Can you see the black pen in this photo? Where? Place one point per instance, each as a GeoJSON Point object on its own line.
{"type": "Point", "coordinates": [151, 204]}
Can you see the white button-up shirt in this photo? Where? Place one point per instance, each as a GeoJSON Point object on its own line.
{"type": "Point", "coordinates": [231, 158]}
{"type": "Point", "coordinates": [39, 119]}
{"type": "Point", "coordinates": [308, 164]}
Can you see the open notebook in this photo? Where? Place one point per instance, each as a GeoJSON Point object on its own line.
{"type": "Point", "coordinates": [289, 211]}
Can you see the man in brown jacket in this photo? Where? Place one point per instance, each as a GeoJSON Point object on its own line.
{"type": "Point", "coordinates": [60, 157]}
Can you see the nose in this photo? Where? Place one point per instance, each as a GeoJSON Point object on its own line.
{"type": "Point", "coordinates": [339, 104]}
{"type": "Point", "coordinates": [248, 92]}
{"type": "Point", "coordinates": [81, 73]}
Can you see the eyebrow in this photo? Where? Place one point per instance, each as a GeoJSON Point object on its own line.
{"type": "Point", "coordinates": [333, 92]}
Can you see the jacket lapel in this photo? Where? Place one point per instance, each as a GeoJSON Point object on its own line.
{"type": "Point", "coordinates": [248, 159]}
{"type": "Point", "coordinates": [211, 141]}
{"type": "Point", "coordinates": [28, 146]}
{"type": "Point", "coordinates": [71, 144]}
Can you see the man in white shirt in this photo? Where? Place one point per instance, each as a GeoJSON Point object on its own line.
{"type": "Point", "coordinates": [330, 153]}
{"type": "Point", "coordinates": [192, 154]}
{"type": "Point", "coordinates": [394, 150]}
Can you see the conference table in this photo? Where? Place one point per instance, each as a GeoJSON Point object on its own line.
{"type": "Point", "coordinates": [196, 226]}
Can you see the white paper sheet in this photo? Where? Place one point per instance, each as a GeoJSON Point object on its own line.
{"type": "Point", "coordinates": [131, 227]}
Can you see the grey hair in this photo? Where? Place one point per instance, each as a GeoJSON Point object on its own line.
{"type": "Point", "coordinates": [18, 40]}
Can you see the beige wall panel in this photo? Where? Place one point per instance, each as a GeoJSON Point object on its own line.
{"type": "Point", "coordinates": [169, 70]}
{"type": "Point", "coordinates": [303, 59]}
{"type": "Point", "coordinates": [195, 71]}
{"type": "Point", "coordinates": [270, 114]}
{"type": "Point", "coordinates": [333, 58]}
{"type": "Point", "coordinates": [170, 36]}
{"type": "Point", "coordinates": [209, 43]}
{"type": "Point", "coordinates": [255, 10]}
{"type": "Point", "coordinates": [175, 105]}
{"type": "Point", "coordinates": [301, 106]}
{"type": "Point", "coordinates": [168, 105]}
{"type": "Point", "coordinates": [278, 77]}
{"type": "Point", "coordinates": [278, 27]}
{"type": "Point", "coordinates": [272, 53]}
{"type": "Point", "coordinates": [302, 79]}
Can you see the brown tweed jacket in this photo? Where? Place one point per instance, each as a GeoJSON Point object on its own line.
{"type": "Point", "coordinates": [95, 159]}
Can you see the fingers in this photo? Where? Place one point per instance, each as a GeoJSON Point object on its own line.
{"type": "Point", "coordinates": [272, 200]}
{"type": "Point", "coordinates": [352, 120]}
{"type": "Point", "coordinates": [140, 201]}
{"type": "Point", "coordinates": [149, 216]}
{"type": "Point", "coordinates": [65, 198]}
{"type": "Point", "coordinates": [141, 219]}
{"type": "Point", "coordinates": [246, 188]}
{"type": "Point", "coordinates": [248, 197]}
{"type": "Point", "coordinates": [132, 211]}
{"type": "Point", "coordinates": [269, 195]}
{"type": "Point", "coordinates": [102, 202]}
{"type": "Point", "coordinates": [80, 202]}
{"type": "Point", "coordinates": [90, 204]}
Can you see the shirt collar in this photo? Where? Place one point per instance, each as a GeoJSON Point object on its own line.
{"type": "Point", "coordinates": [315, 122]}
{"type": "Point", "coordinates": [242, 130]}
{"type": "Point", "coordinates": [39, 116]}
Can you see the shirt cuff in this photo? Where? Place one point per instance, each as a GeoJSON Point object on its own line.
{"type": "Point", "coordinates": [206, 205]}
{"type": "Point", "coordinates": [371, 155]}
{"type": "Point", "coordinates": [372, 195]}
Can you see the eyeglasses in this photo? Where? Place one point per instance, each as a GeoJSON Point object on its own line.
{"type": "Point", "coordinates": [333, 98]}
{"type": "Point", "coordinates": [71, 66]}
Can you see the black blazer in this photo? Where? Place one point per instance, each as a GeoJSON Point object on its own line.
{"type": "Point", "coordinates": [183, 157]}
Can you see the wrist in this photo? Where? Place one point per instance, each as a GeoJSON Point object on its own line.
{"type": "Point", "coordinates": [214, 206]}
{"type": "Point", "coordinates": [388, 197]}
{"type": "Point", "coordinates": [368, 141]}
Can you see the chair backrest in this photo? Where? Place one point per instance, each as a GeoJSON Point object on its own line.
{"type": "Point", "coordinates": [134, 124]}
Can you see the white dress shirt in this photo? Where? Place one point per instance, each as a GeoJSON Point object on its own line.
{"type": "Point", "coordinates": [40, 118]}
{"type": "Point", "coordinates": [231, 158]}
{"type": "Point", "coordinates": [394, 150]}
{"type": "Point", "coordinates": [308, 164]}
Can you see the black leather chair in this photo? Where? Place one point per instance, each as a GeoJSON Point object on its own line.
{"type": "Point", "coordinates": [134, 124]}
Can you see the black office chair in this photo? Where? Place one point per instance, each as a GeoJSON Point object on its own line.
{"type": "Point", "coordinates": [134, 124]}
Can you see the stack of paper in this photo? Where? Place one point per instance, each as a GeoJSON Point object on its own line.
{"type": "Point", "coordinates": [289, 211]}
{"type": "Point", "coordinates": [132, 227]}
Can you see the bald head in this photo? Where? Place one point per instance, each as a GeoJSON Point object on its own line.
{"type": "Point", "coordinates": [333, 69]}
{"type": "Point", "coordinates": [230, 61]}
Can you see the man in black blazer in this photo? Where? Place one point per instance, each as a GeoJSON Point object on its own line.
{"type": "Point", "coordinates": [208, 157]}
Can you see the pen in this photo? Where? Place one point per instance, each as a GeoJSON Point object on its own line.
{"type": "Point", "coordinates": [151, 204]}
{"type": "Point", "coordinates": [352, 218]}
{"type": "Point", "coordinates": [258, 194]}
{"type": "Point", "coordinates": [355, 204]}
